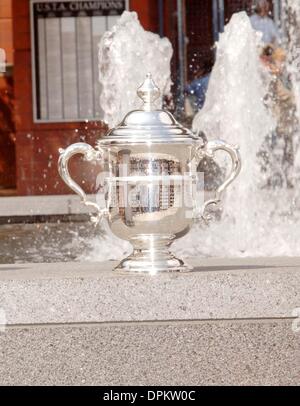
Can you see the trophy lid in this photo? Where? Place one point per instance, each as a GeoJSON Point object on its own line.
{"type": "Point", "coordinates": [148, 125]}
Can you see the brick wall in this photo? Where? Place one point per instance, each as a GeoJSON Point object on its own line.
{"type": "Point", "coordinates": [6, 38]}
{"type": "Point", "coordinates": [37, 144]}
{"type": "Point", "coordinates": [7, 148]}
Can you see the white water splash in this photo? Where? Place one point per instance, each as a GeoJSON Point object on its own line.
{"type": "Point", "coordinates": [105, 247]}
{"type": "Point", "coordinates": [255, 221]}
{"type": "Point", "coordinates": [235, 111]}
{"type": "Point", "coordinates": [291, 28]}
{"type": "Point", "coordinates": [126, 54]}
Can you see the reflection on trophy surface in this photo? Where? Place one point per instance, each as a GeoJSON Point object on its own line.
{"type": "Point", "coordinates": [150, 182]}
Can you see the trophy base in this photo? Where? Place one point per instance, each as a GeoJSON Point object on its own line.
{"type": "Point", "coordinates": [152, 256]}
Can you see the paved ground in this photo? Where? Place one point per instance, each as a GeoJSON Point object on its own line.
{"type": "Point", "coordinates": [233, 321]}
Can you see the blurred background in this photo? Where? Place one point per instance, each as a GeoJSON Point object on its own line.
{"type": "Point", "coordinates": [36, 117]}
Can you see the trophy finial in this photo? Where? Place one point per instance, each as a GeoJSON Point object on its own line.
{"type": "Point", "coordinates": [148, 92]}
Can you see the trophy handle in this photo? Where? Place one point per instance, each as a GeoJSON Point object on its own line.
{"type": "Point", "coordinates": [209, 150]}
{"type": "Point", "coordinates": [90, 154]}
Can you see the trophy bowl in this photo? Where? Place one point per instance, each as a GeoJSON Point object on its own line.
{"type": "Point", "coordinates": [149, 182]}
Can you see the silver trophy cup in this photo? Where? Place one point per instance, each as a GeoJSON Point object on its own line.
{"type": "Point", "coordinates": [149, 182]}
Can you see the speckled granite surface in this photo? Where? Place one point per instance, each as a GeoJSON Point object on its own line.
{"type": "Point", "coordinates": [91, 292]}
{"type": "Point", "coordinates": [228, 323]}
{"type": "Point", "coordinates": [205, 353]}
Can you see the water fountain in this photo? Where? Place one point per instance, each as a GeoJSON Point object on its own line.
{"type": "Point", "coordinates": [290, 27]}
{"type": "Point", "coordinates": [291, 24]}
{"type": "Point", "coordinates": [126, 54]}
{"type": "Point", "coordinates": [260, 220]}
{"type": "Point", "coordinates": [235, 110]}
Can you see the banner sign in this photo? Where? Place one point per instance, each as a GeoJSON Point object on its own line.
{"type": "Point", "coordinates": [72, 8]}
{"type": "Point", "coordinates": [65, 38]}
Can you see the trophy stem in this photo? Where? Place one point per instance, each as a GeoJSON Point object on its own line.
{"type": "Point", "coordinates": [151, 254]}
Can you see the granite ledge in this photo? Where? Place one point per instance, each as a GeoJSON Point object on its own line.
{"type": "Point", "coordinates": [91, 293]}
{"type": "Point", "coordinates": [215, 353]}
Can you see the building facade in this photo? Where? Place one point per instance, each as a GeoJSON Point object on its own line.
{"type": "Point", "coordinates": [29, 140]}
